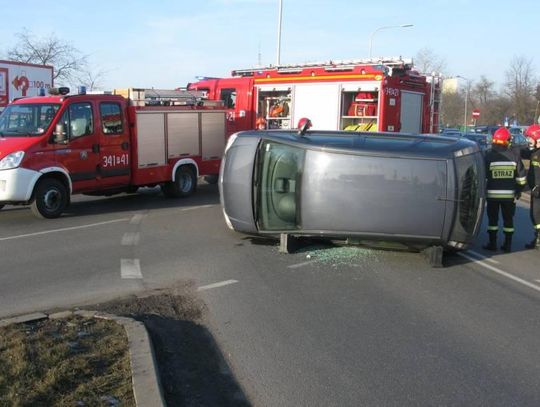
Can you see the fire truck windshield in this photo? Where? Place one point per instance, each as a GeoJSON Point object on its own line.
{"type": "Point", "coordinates": [22, 120]}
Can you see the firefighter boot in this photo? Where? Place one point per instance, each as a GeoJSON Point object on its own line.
{"type": "Point", "coordinates": [492, 244]}
{"type": "Point", "coordinates": [535, 243]}
{"type": "Point", "coordinates": [507, 245]}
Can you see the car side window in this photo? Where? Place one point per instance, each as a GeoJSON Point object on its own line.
{"type": "Point", "coordinates": [228, 96]}
{"type": "Point", "coordinates": [78, 120]}
{"type": "Point", "coordinates": [111, 118]}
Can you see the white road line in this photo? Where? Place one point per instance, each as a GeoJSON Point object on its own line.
{"type": "Point", "coordinates": [130, 268]}
{"type": "Point", "coordinates": [45, 232]}
{"type": "Point", "coordinates": [198, 207]}
{"type": "Point", "coordinates": [294, 266]}
{"type": "Point", "coordinates": [130, 239]}
{"type": "Point", "coordinates": [482, 257]}
{"type": "Point", "coordinates": [501, 272]}
{"type": "Point", "coordinates": [216, 285]}
{"type": "Point", "coordinates": [136, 219]}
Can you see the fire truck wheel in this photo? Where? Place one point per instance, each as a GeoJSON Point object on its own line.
{"type": "Point", "coordinates": [184, 184]}
{"type": "Point", "coordinates": [51, 198]}
{"type": "Point", "coordinates": [211, 179]}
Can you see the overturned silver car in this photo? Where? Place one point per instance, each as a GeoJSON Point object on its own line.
{"type": "Point", "coordinates": [419, 190]}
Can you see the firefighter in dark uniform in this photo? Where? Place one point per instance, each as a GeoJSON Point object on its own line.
{"type": "Point", "coordinates": [505, 181]}
{"type": "Point", "coordinates": [533, 180]}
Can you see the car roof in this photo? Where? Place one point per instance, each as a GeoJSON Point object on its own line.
{"type": "Point", "coordinates": [426, 145]}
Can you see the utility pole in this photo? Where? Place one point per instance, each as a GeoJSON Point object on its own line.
{"type": "Point", "coordinates": [279, 33]}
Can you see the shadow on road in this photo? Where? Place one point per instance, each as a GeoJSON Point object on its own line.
{"type": "Point", "coordinates": [193, 371]}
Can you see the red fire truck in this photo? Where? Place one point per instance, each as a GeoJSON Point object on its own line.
{"type": "Point", "coordinates": [362, 95]}
{"type": "Point", "coordinates": [57, 145]}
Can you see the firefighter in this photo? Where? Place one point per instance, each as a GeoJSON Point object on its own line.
{"type": "Point", "coordinates": [505, 181]}
{"type": "Point", "coordinates": [260, 123]}
{"type": "Point", "coordinates": [304, 124]}
{"type": "Point", "coordinates": [533, 180]}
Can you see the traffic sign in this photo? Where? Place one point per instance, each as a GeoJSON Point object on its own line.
{"type": "Point", "coordinates": [476, 113]}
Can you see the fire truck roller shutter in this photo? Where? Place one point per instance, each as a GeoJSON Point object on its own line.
{"type": "Point", "coordinates": [319, 102]}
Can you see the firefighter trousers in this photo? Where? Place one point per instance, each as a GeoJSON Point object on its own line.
{"type": "Point", "coordinates": [535, 213]}
{"type": "Point", "coordinates": [507, 208]}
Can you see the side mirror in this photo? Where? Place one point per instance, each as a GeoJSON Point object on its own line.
{"type": "Point", "coordinates": [60, 136]}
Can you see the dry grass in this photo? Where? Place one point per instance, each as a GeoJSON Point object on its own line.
{"type": "Point", "coordinates": [68, 362]}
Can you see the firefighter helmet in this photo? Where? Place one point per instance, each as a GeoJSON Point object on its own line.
{"type": "Point", "coordinates": [502, 136]}
{"type": "Point", "coordinates": [304, 122]}
{"type": "Point", "coordinates": [533, 132]}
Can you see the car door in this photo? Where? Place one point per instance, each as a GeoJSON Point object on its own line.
{"type": "Point", "coordinates": [114, 148]}
{"type": "Point", "coordinates": [77, 154]}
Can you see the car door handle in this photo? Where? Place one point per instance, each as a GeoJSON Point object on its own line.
{"type": "Point", "coordinates": [95, 148]}
{"type": "Point", "coordinates": [124, 145]}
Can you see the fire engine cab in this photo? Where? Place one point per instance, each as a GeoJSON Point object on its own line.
{"type": "Point", "coordinates": [362, 95]}
{"type": "Point", "coordinates": [100, 144]}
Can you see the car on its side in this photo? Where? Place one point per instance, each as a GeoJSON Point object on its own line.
{"type": "Point", "coordinates": [422, 191]}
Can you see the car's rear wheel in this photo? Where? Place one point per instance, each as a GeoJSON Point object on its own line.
{"type": "Point", "coordinates": [50, 200]}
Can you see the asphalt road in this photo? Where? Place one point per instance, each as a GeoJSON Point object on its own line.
{"type": "Point", "coordinates": [315, 328]}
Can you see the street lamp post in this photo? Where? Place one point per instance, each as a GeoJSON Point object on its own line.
{"type": "Point", "coordinates": [383, 28]}
{"type": "Point", "coordinates": [280, 16]}
{"type": "Point", "coordinates": [466, 100]}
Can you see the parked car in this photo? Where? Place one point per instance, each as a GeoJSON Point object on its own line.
{"type": "Point", "coordinates": [450, 131]}
{"type": "Point", "coordinates": [424, 191]}
{"type": "Point", "coordinates": [483, 140]}
{"type": "Point", "coordinates": [486, 129]}
{"type": "Point", "coordinates": [519, 142]}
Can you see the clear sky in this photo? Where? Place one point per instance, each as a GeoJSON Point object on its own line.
{"type": "Point", "coordinates": [166, 43]}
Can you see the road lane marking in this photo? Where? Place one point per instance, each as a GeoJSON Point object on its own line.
{"type": "Point", "coordinates": [482, 257]}
{"type": "Point", "coordinates": [216, 285]}
{"type": "Point", "coordinates": [305, 263]}
{"type": "Point", "coordinates": [136, 219]}
{"type": "Point", "coordinates": [130, 268]}
{"type": "Point", "coordinates": [501, 272]}
{"type": "Point", "coordinates": [45, 232]}
{"type": "Point", "coordinates": [197, 207]}
{"type": "Point", "coordinates": [130, 239]}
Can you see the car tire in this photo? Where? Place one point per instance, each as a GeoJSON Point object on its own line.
{"type": "Point", "coordinates": [184, 185]}
{"type": "Point", "coordinates": [50, 199]}
{"type": "Point", "coordinates": [1, 206]}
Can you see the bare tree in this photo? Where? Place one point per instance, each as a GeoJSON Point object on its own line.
{"type": "Point", "coordinates": [91, 79]}
{"type": "Point", "coordinates": [65, 58]}
{"type": "Point", "coordinates": [520, 87]}
{"type": "Point", "coordinates": [427, 62]}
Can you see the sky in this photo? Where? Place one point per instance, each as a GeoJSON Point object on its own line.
{"type": "Point", "coordinates": [167, 43]}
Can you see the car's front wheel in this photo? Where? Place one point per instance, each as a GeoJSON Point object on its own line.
{"type": "Point", "coordinates": [50, 200]}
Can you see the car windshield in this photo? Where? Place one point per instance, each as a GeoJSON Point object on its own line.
{"type": "Point", "coordinates": [26, 120]}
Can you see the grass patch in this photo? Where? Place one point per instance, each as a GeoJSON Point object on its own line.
{"type": "Point", "coordinates": [74, 361]}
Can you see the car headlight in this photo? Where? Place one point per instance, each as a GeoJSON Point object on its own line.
{"type": "Point", "coordinates": [12, 160]}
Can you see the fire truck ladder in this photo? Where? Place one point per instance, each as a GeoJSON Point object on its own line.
{"type": "Point", "coordinates": [162, 97]}
{"type": "Point", "coordinates": [391, 62]}
{"type": "Point", "coordinates": [435, 99]}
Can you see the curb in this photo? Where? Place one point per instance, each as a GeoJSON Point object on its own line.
{"type": "Point", "coordinates": [144, 374]}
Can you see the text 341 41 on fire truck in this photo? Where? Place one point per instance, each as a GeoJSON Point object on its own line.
{"type": "Point", "coordinates": [100, 144]}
